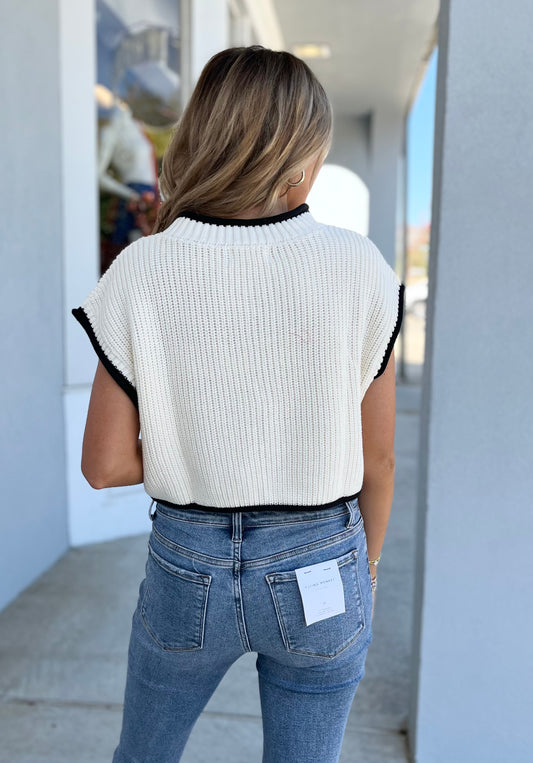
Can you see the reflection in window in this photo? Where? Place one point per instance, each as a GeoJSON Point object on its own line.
{"type": "Point", "coordinates": [139, 100]}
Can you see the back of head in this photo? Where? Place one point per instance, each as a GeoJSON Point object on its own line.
{"type": "Point", "coordinates": [255, 119]}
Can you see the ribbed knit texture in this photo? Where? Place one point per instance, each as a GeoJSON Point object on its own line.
{"type": "Point", "coordinates": [248, 350]}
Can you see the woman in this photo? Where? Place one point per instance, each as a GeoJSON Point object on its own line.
{"type": "Point", "coordinates": [252, 347]}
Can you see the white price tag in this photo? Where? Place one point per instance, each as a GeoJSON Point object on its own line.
{"type": "Point", "coordinates": [321, 590]}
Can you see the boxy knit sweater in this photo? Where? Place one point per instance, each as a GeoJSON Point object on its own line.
{"type": "Point", "coordinates": [247, 347]}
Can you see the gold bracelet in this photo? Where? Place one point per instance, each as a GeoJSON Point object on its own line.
{"type": "Point", "coordinates": [374, 561]}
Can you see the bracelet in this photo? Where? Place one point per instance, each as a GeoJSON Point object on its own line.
{"type": "Point", "coordinates": [373, 580]}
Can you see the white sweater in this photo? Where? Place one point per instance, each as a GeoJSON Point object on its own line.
{"type": "Point", "coordinates": [247, 347]}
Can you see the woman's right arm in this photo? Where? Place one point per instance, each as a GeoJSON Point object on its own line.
{"type": "Point", "coordinates": [378, 412]}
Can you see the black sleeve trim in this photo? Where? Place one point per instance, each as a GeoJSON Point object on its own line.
{"type": "Point", "coordinates": [388, 351]}
{"type": "Point", "coordinates": [80, 315]}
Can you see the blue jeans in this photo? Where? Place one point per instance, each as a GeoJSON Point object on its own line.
{"type": "Point", "coordinates": [218, 585]}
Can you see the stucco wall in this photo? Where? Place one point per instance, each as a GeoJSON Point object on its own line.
{"type": "Point", "coordinates": [474, 621]}
{"type": "Point", "coordinates": [33, 519]}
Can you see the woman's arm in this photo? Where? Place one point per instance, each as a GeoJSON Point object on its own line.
{"type": "Point", "coordinates": [378, 412]}
{"type": "Point", "coordinates": [112, 452]}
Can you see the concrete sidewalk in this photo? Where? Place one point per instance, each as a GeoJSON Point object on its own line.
{"type": "Point", "coordinates": [63, 649]}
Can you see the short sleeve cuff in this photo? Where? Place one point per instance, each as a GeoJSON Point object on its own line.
{"type": "Point", "coordinates": [395, 331]}
{"type": "Point", "coordinates": [81, 316]}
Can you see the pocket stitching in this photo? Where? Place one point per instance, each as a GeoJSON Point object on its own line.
{"type": "Point", "coordinates": [194, 577]}
{"type": "Point", "coordinates": [291, 574]}
{"type": "Point", "coordinates": [195, 555]}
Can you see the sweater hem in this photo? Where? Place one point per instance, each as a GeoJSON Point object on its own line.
{"type": "Point", "coordinates": [254, 507]}
{"type": "Point", "coordinates": [81, 316]}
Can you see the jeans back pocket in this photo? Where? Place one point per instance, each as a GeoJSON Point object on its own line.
{"type": "Point", "coordinates": [325, 638]}
{"type": "Point", "coordinates": [174, 602]}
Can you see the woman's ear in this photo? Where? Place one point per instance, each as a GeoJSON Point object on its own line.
{"type": "Point", "coordinates": [297, 195]}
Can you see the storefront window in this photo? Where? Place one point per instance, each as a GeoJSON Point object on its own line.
{"type": "Point", "coordinates": [139, 99]}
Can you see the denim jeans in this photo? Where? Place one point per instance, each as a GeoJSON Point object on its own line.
{"type": "Point", "coordinates": [218, 585]}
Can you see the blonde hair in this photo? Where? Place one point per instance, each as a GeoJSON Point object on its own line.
{"type": "Point", "coordinates": [254, 120]}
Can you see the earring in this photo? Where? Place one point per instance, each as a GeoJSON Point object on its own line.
{"type": "Point", "coordinates": [299, 181]}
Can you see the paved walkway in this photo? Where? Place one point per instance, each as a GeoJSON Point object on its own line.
{"type": "Point", "coordinates": [63, 645]}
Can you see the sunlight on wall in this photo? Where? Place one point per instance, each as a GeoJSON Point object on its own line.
{"type": "Point", "coordinates": [339, 197]}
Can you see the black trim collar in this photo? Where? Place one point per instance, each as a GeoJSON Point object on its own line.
{"type": "Point", "coordinates": [296, 212]}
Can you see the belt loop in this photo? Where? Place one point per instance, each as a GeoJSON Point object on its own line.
{"type": "Point", "coordinates": [350, 522]}
{"type": "Point", "coordinates": [150, 510]}
{"type": "Point", "coordinates": [236, 525]}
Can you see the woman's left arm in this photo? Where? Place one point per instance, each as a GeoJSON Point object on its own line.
{"type": "Point", "coordinates": [112, 452]}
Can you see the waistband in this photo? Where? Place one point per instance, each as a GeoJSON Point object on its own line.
{"type": "Point", "coordinates": [257, 514]}
{"type": "Point", "coordinates": [264, 507]}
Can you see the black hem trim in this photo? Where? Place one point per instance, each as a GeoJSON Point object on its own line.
{"type": "Point", "coordinates": [261, 507]}
{"type": "Point", "coordinates": [300, 210]}
{"type": "Point", "coordinates": [396, 331]}
{"type": "Point", "coordinates": [81, 316]}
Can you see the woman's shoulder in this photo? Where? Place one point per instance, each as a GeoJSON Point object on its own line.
{"type": "Point", "coordinates": [350, 236]}
{"type": "Point", "coordinates": [338, 231]}
{"type": "Point", "coordinates": [139, 250]}
{"type": "Point", "coordinates": [357, 243]}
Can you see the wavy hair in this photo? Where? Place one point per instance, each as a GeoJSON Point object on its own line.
{"type": "Point", "coordinates": [254, 120]}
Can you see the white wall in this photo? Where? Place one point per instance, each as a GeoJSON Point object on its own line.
{"type": "Point", "coordinates": [474, 619]}
{"type": "Point", "coordinates": [79, 196]}
{"type": "Point", "coordinates": [210, 32]}
{"type": "Point", "coordinates": [94, 515]}
{"type": "Point", "coordinates": [33, 515]}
